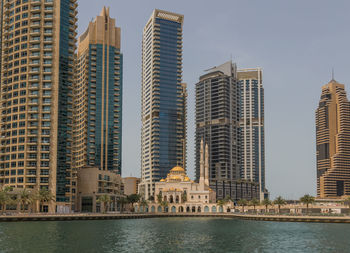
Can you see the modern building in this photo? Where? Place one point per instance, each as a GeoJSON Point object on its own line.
{"type": "Point", "coordinates": [251, 129]}
{"type": "Point", "coordinates": [131, 185]}
{"type": "Point", "coordinates": [37, 75]}
{"type": "Point", "coordinates": [94, 183]}
{"type": "Point", "coordinates": [163, 134]}
{"type": "Point", "coordinates": [97, 127]}
{"type": "Point", "coordinates": [333, 142]}
{"type": "Point", "coordinates": [217, 123]}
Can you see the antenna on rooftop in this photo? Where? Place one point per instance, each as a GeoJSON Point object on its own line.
{"type": "Point", "coordinates": [332, 73]}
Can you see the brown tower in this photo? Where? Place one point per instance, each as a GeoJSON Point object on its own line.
{"type": "Point", "coordinates": [333, 142]}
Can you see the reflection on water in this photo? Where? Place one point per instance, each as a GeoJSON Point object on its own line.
{"type": "Point", "coordinates": [173, 235]}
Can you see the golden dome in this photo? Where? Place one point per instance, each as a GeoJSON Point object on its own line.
{"type": "Point", "coordinates": [178, 168]}
{"type": "Point", "coordinates": [175, 177]}
{"type": "Point", "coordinates": [162, 180]}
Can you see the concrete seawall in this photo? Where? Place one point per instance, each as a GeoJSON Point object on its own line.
{"type": "Point", "coordinates": [75, 217]}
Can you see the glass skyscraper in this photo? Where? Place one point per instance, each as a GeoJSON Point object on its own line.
{"type": "Point", "coordinates": [163, 137]}
{"type": "Point", "coordinates": [251, 127]}
{"type": "Point", "coordinates": [218, 110]}
{"type": "Point", "coordinates": [37, 56]}
{"type": "Point", "coordinates": [216, 121]}
{"type": "Point", "coordinates": [98, 96]}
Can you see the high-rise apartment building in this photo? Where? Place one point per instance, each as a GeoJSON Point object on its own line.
{"type": "Point", "coordinates": [98, 96]}
{"type": "Point", "coordinates": [37, 56]}
{"type": "Point", "coordinates": [333, 142]}
{"type": "Point", "coordinates": [217, 117]}
{"type": "Point", "coordinates": [163, 137]}
{"type": "Point", "coordinates": [251, 127]}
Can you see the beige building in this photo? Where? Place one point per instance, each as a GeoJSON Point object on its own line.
{"type": "Point", "coordinates": [251, 127]}
{"type": "Point", "coordinates": [333, 142]}
{"type": "Point", "coordinates": [98, 96]}
{"type": "Point", "coordinates": [177, 193]}
{"type": "Point", "coordinates": [38, 41]}
{"type": "Point", "coordinates": [131, 185]}
{"type": "Point", "coordinates": [94, 183]}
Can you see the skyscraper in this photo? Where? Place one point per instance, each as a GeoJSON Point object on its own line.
{"type": "Point", "coordinates": [333, 142]}
{"type": "Point", "coordinates": [251, 127]}
{"type": "Point", "coordinates": [163, 136]}
{"type": "Point", "coordinates": [37, 49]}
{"type": "Point", "coordinates": [217, 116]}
{"type": "Point", "coordinates": [98, 96]}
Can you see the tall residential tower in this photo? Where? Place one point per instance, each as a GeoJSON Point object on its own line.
{"type": "Point", "coordinates": [163, 136]}
{"type": "Point", "coordinates": [217, 116]}
{"type": "Point", "coordinates": [251, 127]}
{"type": "Point", "coordinates": [333, 142]}
{"type": "Point", "coordinates": [98, 96]}
{"type": "Point", "coordinates": [37, 55]}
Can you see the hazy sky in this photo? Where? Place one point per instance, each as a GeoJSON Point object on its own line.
{"type": "Point", "coordinates": [295, 42]}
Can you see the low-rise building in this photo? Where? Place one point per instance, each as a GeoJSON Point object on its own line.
{"type": "Point", "coordinates": [93, 183]}
{"type": "Point", "coordinates": [130, 185]}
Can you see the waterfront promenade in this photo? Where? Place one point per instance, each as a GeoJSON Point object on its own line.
{"type": "Point", "coordinates": [115, 216]}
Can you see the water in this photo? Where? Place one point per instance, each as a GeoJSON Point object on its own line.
{"type": "Point", "coordinates": [165, 235]}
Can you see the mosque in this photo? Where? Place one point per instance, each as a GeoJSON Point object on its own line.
{"type": "Point", "coordinates": [177, 193]}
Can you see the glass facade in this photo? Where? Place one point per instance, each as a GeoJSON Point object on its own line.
{"type": "Point", "coordinates": [107, 95]}
{"type": "Point", "coordinates": [98, 97]}
{"type": "Point", "coordinates": [163, 138]}
{"type": "Point", "coordinates": [64, 131]}
{"type": "Point", "coordinates": [251, 126]}
{"type": "Point", "coordinates": [168, 97]}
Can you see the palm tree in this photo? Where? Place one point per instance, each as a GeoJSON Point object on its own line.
{"type": "Point", "coordinates": [144, 204]}
{"type": "Point", "coordinates": [151, 198]}
{"type": "Point", "coordinates": [164, 204]}
{"type": "Point", "coordinates": [44, 195]}
{"type": "Point", "coordinates": [184, 197]}
{"type": "Point", "coordinates": [25, 198]}
{"type": "Point", "coordinates": [346, 201]}
{"type": "Point", "coordinates": [104, 200]}
{"type": "Point", "coordinates": [266, 202]}
{"type": "Point", "coordinates": [5, 198]}
{"type": "Point", "coordinates": [133, 198]}
{"type": "Point", "coordinates": [307, 199]}
{"type": "Point", "coordinates": [122, 201]}
{"type": "Point", "coordinates": [254, 202]}
{"type": "Point", "coordinates": [221, 203]}
{"type": "Point", "coordinates": [279, 201]}
{"type": "Point", "coordinates": [227, 199]}
{"type": "Point", "coordinates": [159, 197]}
{"type": "Point", "coordinates": [242, 203]}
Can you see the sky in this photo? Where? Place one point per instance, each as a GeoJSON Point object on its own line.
{"type": "Point", "coordinates": [296, 43]}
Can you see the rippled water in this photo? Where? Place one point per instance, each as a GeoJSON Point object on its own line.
{"type": "Point", "coordinates": [173, 235]}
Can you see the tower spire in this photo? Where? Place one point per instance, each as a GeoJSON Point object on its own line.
{"type": "Point", "coordinates": [333, 74]}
